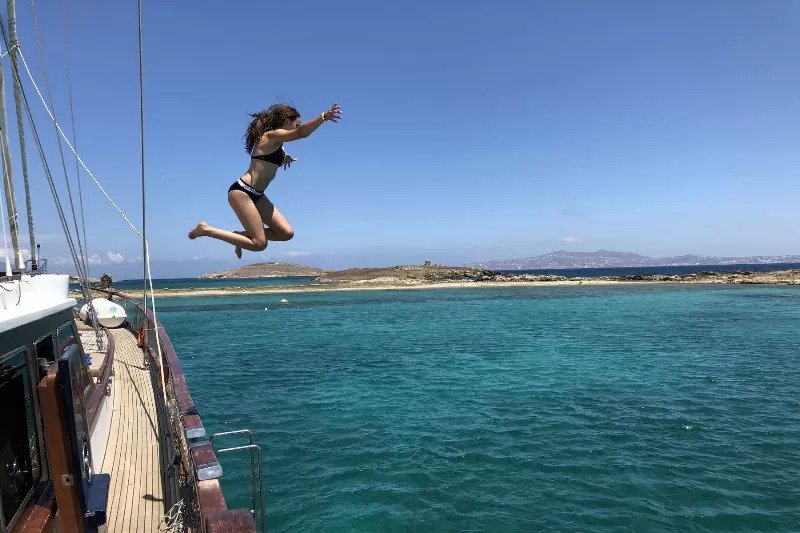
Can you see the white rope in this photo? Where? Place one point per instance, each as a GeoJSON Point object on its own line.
{"type": "Point", "coordinates": [173, 519]}
{"type": "Point", "coordinates": [35, 86]}
{"type": "Point", "coordinates": [4, 54]}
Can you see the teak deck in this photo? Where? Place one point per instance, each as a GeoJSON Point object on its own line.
{"type": "Point", "coordinates": [136, 497]}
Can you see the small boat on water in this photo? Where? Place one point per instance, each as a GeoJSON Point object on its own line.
{"type": "Point", "coordinates": [108, 313]}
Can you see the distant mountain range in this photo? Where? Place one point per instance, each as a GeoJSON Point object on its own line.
{"type": "Point", "coordinates": [608, 259]}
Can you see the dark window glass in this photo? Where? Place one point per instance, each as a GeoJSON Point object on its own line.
{"type": "Point", "coordinates": [19, 454]}
{"type": "Point", "coordinates": [66, 336]}
{"type": "Point", "coordinates": [45, 349]}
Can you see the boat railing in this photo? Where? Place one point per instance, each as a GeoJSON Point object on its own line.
{"type": "Point", "coordinates": [41, 266]}
{"type": "Point", "coordinates": [191, 470]}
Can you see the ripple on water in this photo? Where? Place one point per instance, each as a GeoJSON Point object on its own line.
{"type": "Point", "coordinates": [561, 408]}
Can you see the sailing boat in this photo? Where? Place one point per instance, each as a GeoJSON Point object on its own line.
{"type": "Point", "coordinates": [99, 429]}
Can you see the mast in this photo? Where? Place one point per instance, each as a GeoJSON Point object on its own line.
{"type": "Point", "coordinates": [7, 180]}
{"type": "Point", "coordinates": [13, 46]}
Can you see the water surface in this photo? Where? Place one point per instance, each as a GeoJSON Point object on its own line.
{"type": "Point", "coordinates": [636, 407]}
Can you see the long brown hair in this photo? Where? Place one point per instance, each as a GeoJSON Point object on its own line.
{"type": "Point", "coordinates": [269, 119]}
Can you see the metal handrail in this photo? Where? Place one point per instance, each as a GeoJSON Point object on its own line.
{"type": "Point", "coordinates": [252, 466]}
{"type": "Point", "coordinates": [251, 448]}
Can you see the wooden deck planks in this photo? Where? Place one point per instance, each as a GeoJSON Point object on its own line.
{"type": "Point", "coordinates": [136, 501]}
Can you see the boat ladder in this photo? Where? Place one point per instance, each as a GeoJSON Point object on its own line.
{"type": "Point", "coordinates": [256, 470]}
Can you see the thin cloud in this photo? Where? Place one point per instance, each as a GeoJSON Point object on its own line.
{"type": "Point", "coordinates": [26, 254]}
{"type": "Point", "coordinates": [115, 257]}
{"type": "Point", "coordinates": [573, 239]}
{"type": "Point", "coordinates": [95, 259]}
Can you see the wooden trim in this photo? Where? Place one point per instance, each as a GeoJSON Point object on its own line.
{"type": "Point", "coordinates": [214, 513]}
{"type": "Point", "coordinates": [38, 517]}
{"type": "Point", "coordinates": [186, 405]}
{"type": "Point", "coordinates": [193, 427]}
{"type": "Point", "coordinates": [236, 521]}
{"type": "Point", "coordinates": [210, 498]}
{"type": "Point", "coordinates": [99, 389]}
{"type": "Point", "coordinates": [205, 462]}
{"type": "Point", "coordinates": [56, 438]}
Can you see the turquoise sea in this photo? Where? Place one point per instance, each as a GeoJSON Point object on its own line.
{"type": "Point", "coordinates": [585, 408]}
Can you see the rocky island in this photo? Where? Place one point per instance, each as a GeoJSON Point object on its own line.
{"type": "Point", "coordinates": [266, 270]}
{"type": "Point", "coordinates": [435, 274]}
{"type": "Point", "coordinates": [438, 276]}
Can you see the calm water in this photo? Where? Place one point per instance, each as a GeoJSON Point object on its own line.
{"type": "Point", "coordinates": [639, 408]}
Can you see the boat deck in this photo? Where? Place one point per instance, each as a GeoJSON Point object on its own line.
{"type": "Point", "coordinates": [90, 345]}
{"type": "Point", "coordinates": [136, 497]}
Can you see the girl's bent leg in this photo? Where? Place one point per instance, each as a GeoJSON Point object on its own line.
{"type": "Point", "coordinates": [278, 228]}
{"type": "Point", "coordinates": [253, 238]}
{"type": "Point", "coordinates": [240, 240]}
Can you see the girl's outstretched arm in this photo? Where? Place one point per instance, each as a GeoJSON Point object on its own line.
{"type": "Point", "coordinates": [304, 130]}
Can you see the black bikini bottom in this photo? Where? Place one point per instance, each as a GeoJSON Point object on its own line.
{"type": "Point", "coordinates": [239, 185]}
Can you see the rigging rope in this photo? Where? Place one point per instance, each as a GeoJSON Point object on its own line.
{"type": "Point", "coordinates": [43, 57]}
{"type": "Point", "coordinates": [49, 176]}
{"type": "Point", "coordinates": [74, 136]}
{"type": "Point", "coordinates": [145, 245]}
{"type": "Point", "coordinates": [72, 148]}
{"type": "Point", "coordinates": [53, 191]}
{"type": "Point", "coordinates": [4, 54]}
{"type": "Point", "coordinates": [83, 268]}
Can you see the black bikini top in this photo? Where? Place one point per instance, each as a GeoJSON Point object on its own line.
{"type": "Point", "coordinates": [276, 157]}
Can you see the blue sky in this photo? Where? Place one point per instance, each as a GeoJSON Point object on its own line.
{"type": "Point", "coordinates": [471, 131]}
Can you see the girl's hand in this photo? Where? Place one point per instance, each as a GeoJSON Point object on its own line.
{"type": "Point", "coordinates": [287, 161]}
{"type": "Point", "coordinates": [334, 114]}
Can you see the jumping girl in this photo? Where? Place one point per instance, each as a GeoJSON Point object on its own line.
{"type": "Point", "coordinates": [264, 140]}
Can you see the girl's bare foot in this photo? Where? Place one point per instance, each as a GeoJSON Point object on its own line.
{"type": "Point", "coordinates": [238, 252]}
{"type": "Point", "coordinates": [198, 230]}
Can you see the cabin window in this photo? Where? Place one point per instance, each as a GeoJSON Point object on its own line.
{"type": "Point", "coordinates": [19, 446]}
{"type": "Point", "coordinates": [45, 349]}
{"type": "Point", "coordinates": [66, 336]}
